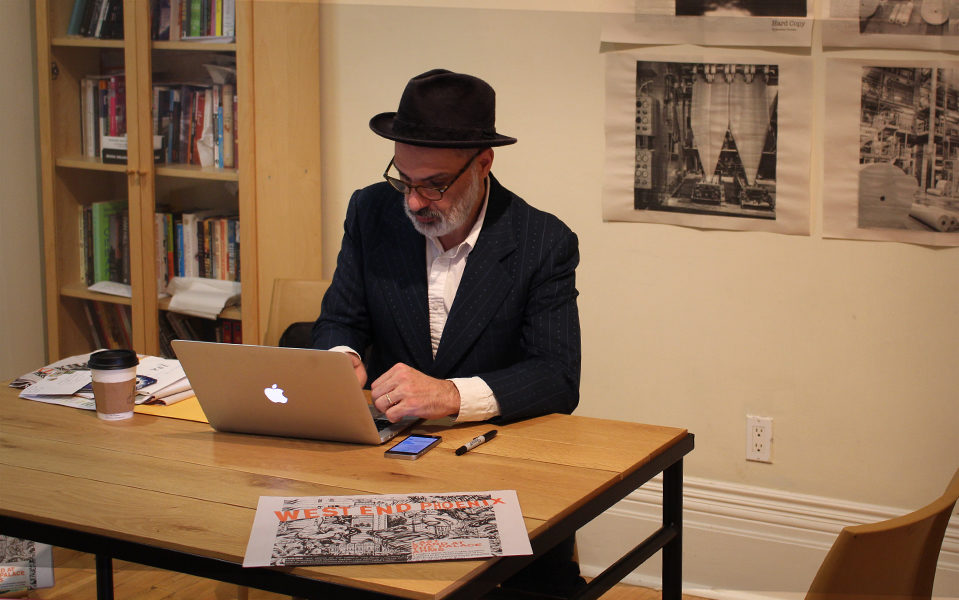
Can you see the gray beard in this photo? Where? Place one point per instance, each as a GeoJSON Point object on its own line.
{"type": "Point", "coordinates": [460, 210]}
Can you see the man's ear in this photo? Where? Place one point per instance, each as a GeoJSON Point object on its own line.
{"type": "Point", "coordinates": [485, 161]}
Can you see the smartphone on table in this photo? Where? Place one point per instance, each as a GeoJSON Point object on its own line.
{"type": "Point", "coordinates": [413, 446]}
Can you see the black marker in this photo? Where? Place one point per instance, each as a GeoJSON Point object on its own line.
{"type": "Point", "coordinates": [480, 439]}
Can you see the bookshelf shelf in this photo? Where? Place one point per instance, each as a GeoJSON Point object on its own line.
{"type": "Point", "coordinates": [195, 46]}
{"type": "Point", "coordinates": [84, 42]}
{"type": "Point", "coordinates": [197, 172]}
{"type": "Point", "coordinates": [93, 164]}
{"type": "Point", "coordinates": [80, 291]}
{"type": "Point", "coordinates": [76, 187]}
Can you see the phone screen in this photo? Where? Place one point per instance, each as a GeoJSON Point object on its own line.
{"type": "Point", "coordinates": [413, 446]}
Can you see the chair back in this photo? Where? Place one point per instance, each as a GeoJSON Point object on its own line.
{"type": "Point", "coordinates": [293, 301]}
{"type": "Point", "coordinates": [893, 559]}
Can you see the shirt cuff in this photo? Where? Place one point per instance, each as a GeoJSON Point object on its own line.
{"type": "Point", "coordinates": [477, 402]}
{"type": "Point", "coordinates": [346, 349]}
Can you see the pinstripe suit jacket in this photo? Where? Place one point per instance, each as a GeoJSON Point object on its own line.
{"type": "Point", "coordinates": [514, 321]}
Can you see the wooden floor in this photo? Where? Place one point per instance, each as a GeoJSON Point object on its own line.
{"type": "Point", "coordinates": [76, 580]}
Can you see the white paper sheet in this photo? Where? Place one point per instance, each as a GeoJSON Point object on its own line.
{"type": "Point", "coordinates": [717, 23]}
{"type": "Point", "coordinates": [202, 297]}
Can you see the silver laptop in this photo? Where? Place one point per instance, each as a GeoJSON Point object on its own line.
{"type": "Point", "coordinates": [289, 392]}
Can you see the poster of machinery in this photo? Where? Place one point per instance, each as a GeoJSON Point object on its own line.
{"type": "Point", "coordinates": [921, 24]}
{"type": "Point", "coordinates": [706, 141]}
{"type": "Point", "coordinates": [902, 140]}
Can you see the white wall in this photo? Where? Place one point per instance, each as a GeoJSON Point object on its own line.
{"type": "Point", "coordinates": [852, 347]}
{"type": "Point", "coordinates": [21, 293]}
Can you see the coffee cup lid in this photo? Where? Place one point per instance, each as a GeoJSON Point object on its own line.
{"type": "Point", "coordinates": [113, 359]}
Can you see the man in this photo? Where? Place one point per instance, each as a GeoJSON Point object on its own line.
{"type": "Point", "coordinates": [453, 295]}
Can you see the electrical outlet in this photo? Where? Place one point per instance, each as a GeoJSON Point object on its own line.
{"type": "Point", "coordinates": [759, 438]}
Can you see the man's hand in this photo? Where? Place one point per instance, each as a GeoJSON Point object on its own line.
{"type": "Point", "coordinates": [403, 391]}
{"type": "Point", "coordinates": [358, 368]}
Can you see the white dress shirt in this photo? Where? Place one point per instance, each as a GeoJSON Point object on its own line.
{"type": "Point", "coordinates": [444, 271]}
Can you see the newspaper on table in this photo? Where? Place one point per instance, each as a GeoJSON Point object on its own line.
{"type": "Point", "coordinates": [68, 382]}
{"type": "Point", "coordinates": [338, 530]}
{"type": "Point", "coordinates": [24, 565]}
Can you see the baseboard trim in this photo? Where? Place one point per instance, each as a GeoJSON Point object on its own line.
{"type": "Point", "coordinates": [770, 542]}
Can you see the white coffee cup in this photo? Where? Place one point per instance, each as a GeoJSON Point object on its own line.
{"type": "Point", "coordinates": [114, 374]}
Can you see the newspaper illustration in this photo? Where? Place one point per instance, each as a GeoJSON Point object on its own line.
{"type": "Point", "coordinates": [68, 382]}
{"type": "Point", "coordinates": [386, 529]}
{"type": "Point", "coordinates": [24, 565]}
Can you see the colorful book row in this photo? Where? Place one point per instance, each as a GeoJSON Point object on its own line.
{"type": "Point", "coordinates": [196, 123]}
{"type": "Point", "coordinates": [197, 244]}
{"type": "Point", "coordinates": [175, 20]}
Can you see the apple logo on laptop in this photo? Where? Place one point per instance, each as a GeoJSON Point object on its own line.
{"type": "Point", "coordinates": [275, 394]}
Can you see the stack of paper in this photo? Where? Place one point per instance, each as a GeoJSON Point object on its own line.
{"type": "Point", "coordinates": [68, 382]}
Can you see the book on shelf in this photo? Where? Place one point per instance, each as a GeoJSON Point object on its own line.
{"type": "Point", "coordinates": [197, 244]}
{"type": "Point", "coordinates": [102, 111]}
{"type": "Point", "coordinates": [193, 20]}
{"type": "Point", "coordinates": [114, 149]}
{"type": "Point", "coordinates": [105, 242]}
{"type": "Point", "coordinates": [101, 19]}
{"type": "Point", "coordinates": [109, 323]}
{"type": "Point", "coordinates": [196, 123]}
{"type": "Point", "coordinates": [177, 326]}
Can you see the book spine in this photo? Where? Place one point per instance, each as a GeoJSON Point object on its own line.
{"type": "Point", "coordinates": [196, 17]}
{"type": "Point", "coordinates": [170, 246]}
{"type": "Point", "coordinates": [218, 123]}
{"type": "Point", "coordinates": [90, 12]}
{"type": "Point", "coordinates": [232, 249]}
{"type": "Point", "coordinates": [159, 256]}
{"type": "Point", "coordinates": [105, 325]}
{"type": "Point", "coordinates": [88, 106]}
{"type": "Point", "coordinates": [103, 112]}
{"type": "Point", "coordinates": [88, 310]}
{"type": "Point", "coordinates": [224, 247]}
{"type": "Point", "coordinates": [180, 259]}
{"type": "Point", "coordinates": [229, 18]}
{"type": "Point", "coordinates": [79, 7]}
{"type": "Point", "coordinates": [227, 127]}
{"type": "Point", "coordinates": [100, 227]}
{"type": "Point", "coordinates": [104, 9]}
{"type": "Point", "coordinates": [176, 20]}
{"type": "Point", "coordinates": [190, 263]}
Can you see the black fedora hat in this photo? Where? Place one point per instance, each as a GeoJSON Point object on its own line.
{"type": "Point", "coordinates": [442, 109]}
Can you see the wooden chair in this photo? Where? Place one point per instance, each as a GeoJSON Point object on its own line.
{"type": "Point", "coordinates": [293, 301]}
{"type": "Point", "coordinates": [894, 559]}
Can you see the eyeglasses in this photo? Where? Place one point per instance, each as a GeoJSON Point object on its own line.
{"type": "Point", "coordinates": [433, 194]}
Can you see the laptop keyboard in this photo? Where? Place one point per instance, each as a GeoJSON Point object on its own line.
{"type": "Point", "coordinates": [381, 424]}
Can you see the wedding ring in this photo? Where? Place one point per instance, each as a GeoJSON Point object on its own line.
{"type": "Point", "coordinates": [389, 400]}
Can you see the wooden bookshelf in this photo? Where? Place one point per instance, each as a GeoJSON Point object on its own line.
{"type": "Point", "coordinates": [279, 211]}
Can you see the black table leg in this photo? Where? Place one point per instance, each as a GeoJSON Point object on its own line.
{"type": "Point", "coordinates": [104, 577]}
{"type": "Point", "coordinates": [673, 517]}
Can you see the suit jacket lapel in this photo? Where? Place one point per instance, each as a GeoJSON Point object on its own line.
{"type": "Point", "coordinates": [486, 282]}
{"type": "Point", "coordinates": [403, 290]}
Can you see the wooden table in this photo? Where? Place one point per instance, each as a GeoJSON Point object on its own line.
{"type": "Point", "coordinates": [176, 495]}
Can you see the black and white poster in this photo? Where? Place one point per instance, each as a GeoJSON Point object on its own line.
{"type": "Point", "coordinates": [920, 24]}
{"type": "Point", "coordinates": [704, 143]}
{"type": "Point", "coordinates": [892, 152]}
